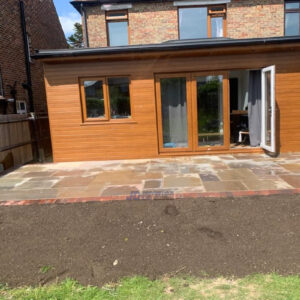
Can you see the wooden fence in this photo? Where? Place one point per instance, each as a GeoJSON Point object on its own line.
{"type": "Point", "coordinates": [18, 136]}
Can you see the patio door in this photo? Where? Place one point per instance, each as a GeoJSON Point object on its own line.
{"type": "Point", "coordinates": [210, 111]}
{"type": "Point", "coordinates": [268, 128]}
{"type": "Point", "coordinates": [174, 112]}
{"type": "Point", "coordinates": [192, 112]}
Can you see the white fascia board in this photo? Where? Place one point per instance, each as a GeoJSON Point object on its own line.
{"type": "Point", "coordinates": [200, 2]}
{"type": "Point", "coordinates": [116, 6]}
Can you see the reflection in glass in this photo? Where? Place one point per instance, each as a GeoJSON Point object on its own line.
{"type": "Point", "coordinates": [174, 112]}
{"type": "Point", "coordinates": [210, 110]}
{"type": "Point", "coordinates": [118, 33]}
{"type": "Point", "coordinates": [193, 22]}
{"type": "Point", "coordinates": [292, 24]}
{"type": "Point", "coordinates": [94, 99]}
{"type": "Point", "coordinates": [292, 5]}
{"type": "Point", "coordinates": [119, 97]}
{"type": "Point", "coordinates": [217, 27]}
{"type": "Point", "coordinates": [268, 110]}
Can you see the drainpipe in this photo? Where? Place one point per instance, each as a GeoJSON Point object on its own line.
{"type": "Point", "coordinates": [28, 84]}
{"type": "Point", "coordinates": [27, 57]}
{"type": "Point", "coordinates": [83, 12]}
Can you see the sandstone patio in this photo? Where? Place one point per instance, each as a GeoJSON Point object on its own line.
{"type": "Point", "coordinates": [241, 174]}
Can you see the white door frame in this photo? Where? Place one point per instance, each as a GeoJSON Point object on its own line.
{"type": "Point", "coordinates": [264, 145]}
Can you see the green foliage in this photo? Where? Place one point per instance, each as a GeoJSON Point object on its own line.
{"type": "Point", "coordinates": [256, 287]}
{"type": "Point", "coordinates": [45, 269]}
{"type": "Point", "coordinates": [76, 39]}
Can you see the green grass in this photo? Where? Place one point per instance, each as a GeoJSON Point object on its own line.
{"type": "Point", "coordinates": [256, 287]}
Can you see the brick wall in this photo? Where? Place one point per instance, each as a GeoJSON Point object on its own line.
{"type": "Point", "coordinates": [96, 26]}
{"type": "Point", "coordinates": [255, 18]}
{"type": "Point", "coordinates": [158, 22]}
{"type": "Point", "coordinates": [11, 49]}
{"type": "Point", "coordinates": [153, 23]}
{"type": "Point", "coordinates": [45, 32]}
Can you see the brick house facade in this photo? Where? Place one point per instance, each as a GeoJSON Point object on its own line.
{"type": "Point", "coordinates": [44, 31]}
{"type": "Point", "coordinates": [156, 22]}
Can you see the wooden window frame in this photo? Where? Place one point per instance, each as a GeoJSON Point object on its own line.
{"type": "Point", "coordinates": [290, 10]}
{"type": "Point", "coordinates": [192, 112]}
{"type": "Point", "coordinates": [107, 116]}
{"type": "Point", "coordinates": [226, 110]}
{"type": "Point", "coordinates": [110, 19]}
{"type": "Point", "coordinates": [210, 14]}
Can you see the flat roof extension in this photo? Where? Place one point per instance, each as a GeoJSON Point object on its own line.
{"type": "Point", "coordinates": [176, 45]}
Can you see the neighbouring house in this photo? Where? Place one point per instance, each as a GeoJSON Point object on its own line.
{"type": "Point", "coordinates": [24, 126]}
{"type": "Point", "coordinates": [164, 78]}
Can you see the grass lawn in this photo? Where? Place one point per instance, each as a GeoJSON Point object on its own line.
{"type": "Point", "coordinates": [256, 287]}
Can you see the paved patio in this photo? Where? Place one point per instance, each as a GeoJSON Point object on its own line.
{"type": "Point", "coordinates": [242, 174]}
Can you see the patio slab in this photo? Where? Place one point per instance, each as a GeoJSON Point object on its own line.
{"type": "Point", "coordinates": [153, 178]}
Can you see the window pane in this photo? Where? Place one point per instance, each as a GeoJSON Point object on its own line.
{"type": "Point", "coordinates": [94, 99]}
{"type": "Point", "coordinates": [118, 33]}
{"type": "Point", "coordinates": [210, 111]}
{"type": "Point", "coordinates": [119, 97]}
{"type": "Point", "coordinates": [174, 112]}
{"type": "Point", "coordinates": [292, 5]}
{"type": "Point", "coordinates": [217, 27]}
{"type": "Point", "coordinates": [292, 23]}
{"type": "Point", "coordinates": [193, 23]}
{"type": "Point", "coordinates": [268, 110]}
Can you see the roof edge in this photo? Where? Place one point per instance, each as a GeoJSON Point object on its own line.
{"type": "Point", "coordinates": [77, 3]}
{"type": "Point", "coordinates": [167, 46]}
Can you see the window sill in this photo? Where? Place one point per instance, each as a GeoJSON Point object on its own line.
{"type": "Point", "coordinates": [111, 122]}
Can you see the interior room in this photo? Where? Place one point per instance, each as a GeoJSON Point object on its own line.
{"type": "Point", "coordinates": [245, 108]}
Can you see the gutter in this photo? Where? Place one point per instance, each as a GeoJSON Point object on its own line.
{"type": "Point", "coordinates": [167, 46]}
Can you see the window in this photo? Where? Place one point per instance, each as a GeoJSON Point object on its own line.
{"type": "Point", "coordinates": [201, 22]}
{"type": "Point", "coordinates": [104, 98]}
{"type": "Point", "coordinates": [117, 28]}
{"type": "Point", "coordinates": [292, 18]}
{"type": "Point", "coordinates": [119, 97]}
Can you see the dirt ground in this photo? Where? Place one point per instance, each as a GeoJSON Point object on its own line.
{"type": "Point", "coordinates": [97, 243]}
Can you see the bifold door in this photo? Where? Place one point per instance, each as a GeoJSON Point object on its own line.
{"type": "Point", "coordinates": [192, 112]}
{"type": "Point", "coordinates": [268, 124]}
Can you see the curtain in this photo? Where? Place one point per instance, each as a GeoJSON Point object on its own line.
{"type": "Point", "coordinates": [174, 112]}
{"type": "Point", "coordinates": [254, 108]}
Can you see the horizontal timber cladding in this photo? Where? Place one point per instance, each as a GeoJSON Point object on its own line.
{"type": "Point", "coordinates": [73, 140]}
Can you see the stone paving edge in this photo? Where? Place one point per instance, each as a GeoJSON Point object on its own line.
{"type": "Point", "coordinates": [151, 196]}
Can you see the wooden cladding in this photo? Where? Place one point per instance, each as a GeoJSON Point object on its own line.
{"type": "Point", "coordinates": [138, 137]}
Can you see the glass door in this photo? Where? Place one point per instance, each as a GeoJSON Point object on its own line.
{"type": "Point", "coordinates": [174, 113]}
{"type": "Point", "coordinates": [268, 134]}
{"type": "Point", "coordinates": [211, 111]}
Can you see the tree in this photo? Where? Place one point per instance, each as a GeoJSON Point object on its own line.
{"type": "Point", "coordinates": [76, 40]}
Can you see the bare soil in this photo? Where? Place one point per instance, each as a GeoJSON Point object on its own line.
{"type": "Point", "coordinates": [97, 243]}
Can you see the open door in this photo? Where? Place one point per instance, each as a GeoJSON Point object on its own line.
{"type": "Point", "coordinates": [268, 114]}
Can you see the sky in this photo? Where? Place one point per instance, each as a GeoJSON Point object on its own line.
{"type": "Point", "coordinates": [68, 15]}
